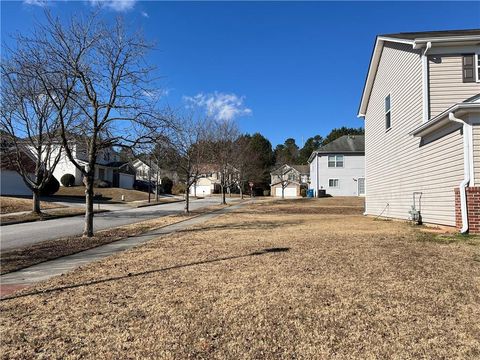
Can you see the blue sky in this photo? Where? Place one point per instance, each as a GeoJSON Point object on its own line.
{"type": "Point", "coordinates": [285, 69]}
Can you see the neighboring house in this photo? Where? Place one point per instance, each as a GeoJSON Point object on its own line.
{"type": "Point", "coordinates": [338, 168]}
{"type": "Point", "coordinates": [11, 182]}
{"type": "Point", "coordinates": [146, 171]}
{"type": "Point", "coordinates": [422, 125]}
{"type": "Point", "coordinates": [208, 181]}
{"type": "Point", "coordinates": [107, 168]}
{"type": "Point", "coordinates": [289, 179]}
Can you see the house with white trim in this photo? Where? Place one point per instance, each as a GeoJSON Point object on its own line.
{"type": "Point", "coordinates": [338, 168]}
{"type": "Point", "coordinates": [288, 180]}
{"type": "Point", "coordinates": [421, 108]}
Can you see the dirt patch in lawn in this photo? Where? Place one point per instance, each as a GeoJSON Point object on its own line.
{"type": "Point", "coordinates": [263, 285]}
{"type": "Point", "coordinates": [13, 204]}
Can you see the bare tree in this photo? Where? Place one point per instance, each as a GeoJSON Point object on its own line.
{"type": "Point", "coordinates": [223, 154]}
{"type": "Point", "coordinates": [189, 143]}
{"type": "Point", "coordinates": [29, 123]}
{"type": "Point", "coordinates": [102, 70]}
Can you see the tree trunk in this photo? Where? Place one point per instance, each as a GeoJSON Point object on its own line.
{"type": "Point", "coordinates": [224, 200]}
{"type": "Point", "coordinates": [36, 202]}
{"type": "Point", "coordinates": [88, 228]}
{"type": "Point", "coordinates": [241, 192]}
{"type": "Point", "coordinates": [187, 200]}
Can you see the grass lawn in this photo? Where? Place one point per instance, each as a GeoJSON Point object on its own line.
{"type": "Point", "coordinates": [17, 259]}
{"type": "Point", "coordinates": [51, 214]}
{"type": "Point", "coordinates": [13, 204]}
{"type": "Point", "coordinates": [285, 279]}
{"type": "Point", "coordinates": [113, 194]}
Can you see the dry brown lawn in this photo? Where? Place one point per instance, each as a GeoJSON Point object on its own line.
{"type": "Point", "coordinates": [113, 194]}
{"type": "Point", "coordinates": [270, 281]}
{"type": "Point", "coordinates": [8, 219]}
{"type": "Point", "coordinates": [13, 204]}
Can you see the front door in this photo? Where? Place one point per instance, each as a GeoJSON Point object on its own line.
{"type": "Point", "coordinates": [361, 186]}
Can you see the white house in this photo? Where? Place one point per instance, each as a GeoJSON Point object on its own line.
{"type": "Point", "coordinates": [108, 167]}
{"type": "Point", "coordinates": [338, 168]}
{"type": "Point", "coordinates": [208, 181]}
{"type": "Point", "coordinates": [422, 125]}
{"type": "Point", "coordinates": [11, 182]}
{"type": "Point", "coordinates": [146, 170]}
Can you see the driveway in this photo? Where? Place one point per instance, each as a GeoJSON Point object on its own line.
{"type": "Point", "coordinates": [19, 235]}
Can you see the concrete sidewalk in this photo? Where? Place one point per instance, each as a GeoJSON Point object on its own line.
{"type": "Point", "coordinates": [43, 271]}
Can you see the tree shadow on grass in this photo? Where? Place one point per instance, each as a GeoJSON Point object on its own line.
{"type": "Point", "coordinates": [143, 273]}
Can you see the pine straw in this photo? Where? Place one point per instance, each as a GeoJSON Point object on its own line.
{"type": "Point", "coordinates": [334, 286]}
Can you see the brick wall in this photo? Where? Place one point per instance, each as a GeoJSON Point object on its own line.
{"type": "Point", "coordinates": [473, 209]}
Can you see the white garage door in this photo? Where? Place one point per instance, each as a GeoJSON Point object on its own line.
{"type": "Point", "coordinates": [288, 192]}
{"type": "Point", "coordinates": [201, 190]}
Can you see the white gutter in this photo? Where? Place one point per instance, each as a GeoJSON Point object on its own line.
{"type": "Point", "coordinates": [425, 82]}
{"type": "Point", "coordinates": [467, 149]}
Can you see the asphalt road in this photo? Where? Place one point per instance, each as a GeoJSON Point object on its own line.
{"type": "Point", "coordinates": [19, 235]}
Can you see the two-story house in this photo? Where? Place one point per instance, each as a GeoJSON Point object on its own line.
{"type": "Point", "coordinates": [421, 109]}
{"type": "Point", "coordinates": [338, 168]}
{"type": "Point", "coordinates": [287, 180]}
{"type": "Point", "coordinates": [208, 180]}
{"type": "Point", "coordinates": [108, 167]}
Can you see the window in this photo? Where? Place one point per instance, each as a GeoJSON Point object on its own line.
{"type": "Point", "coordinates": [469, 68]}
{"type": "Point", "coordinates": [335, 161]}
{"type": "Point", "coordinates": [478, 67]}
{"type": "Point", "coordinates": [388, 113]}
{"type": "Point", "coordinates": [332, 182]}
{"type": "Point", "coordinates": [291, 176]}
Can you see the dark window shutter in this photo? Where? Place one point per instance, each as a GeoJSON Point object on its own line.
{"type": "Point", "coordinates": [468, 68]}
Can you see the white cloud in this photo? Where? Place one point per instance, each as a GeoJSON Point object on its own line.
{"type": "Point", "coordinates": [156, 94]}
{"type": "Point", "coordinates": [116, 5]}
{"type": "Point", "coordinates": [144, 14]}
{"type": "Point", "coordinates": [41, 3]}
{"type": "Point", "coordinates": [219, 105]}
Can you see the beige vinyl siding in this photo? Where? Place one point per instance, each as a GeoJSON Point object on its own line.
{"type": "Point", "coordinates": [398, 164]}
{"type": "Point", "coordinates": [476, 154]}
{"type": "Point", "coordinates": [446, 86]}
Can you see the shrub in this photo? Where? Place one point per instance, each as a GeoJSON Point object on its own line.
{"type": "Point", "coordinates": [178, 188]}
{"type": "Point", "coordinates": [51, 187]}
{"type": "Point", "coordinates": [266, 192]}
{"type": "Point", "coordinates": [67, 180]}
{"type": "Point", "coordinates": [167, 185]}
{"type": "Point", "coordinates": [303, 192]}
{"type": "Point", "coordinates": [102, 183]}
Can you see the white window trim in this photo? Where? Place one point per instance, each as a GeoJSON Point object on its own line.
{"type": "Point", "coordinates": [336, 167]}
{"type": "Point", "coordinates": [338, 183]}
{"type": "Point", "coordinates": [389, 111]}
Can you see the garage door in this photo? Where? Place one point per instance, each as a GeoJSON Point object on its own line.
{"type": "Point", "coordinates": [201, 190]}
{"type": "Point", "coordinates": [288, 192]}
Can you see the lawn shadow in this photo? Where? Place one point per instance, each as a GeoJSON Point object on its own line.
{"type": "Point", "coordinates": [143, 273]}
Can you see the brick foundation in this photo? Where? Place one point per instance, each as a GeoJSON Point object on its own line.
{"type": "Point", "coordinates": [473, 209]}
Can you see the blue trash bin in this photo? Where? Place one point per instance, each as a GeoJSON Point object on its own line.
{"type": "Point", "coordinates": [310, 193]}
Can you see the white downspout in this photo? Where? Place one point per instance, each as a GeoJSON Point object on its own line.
{"type": "Point", "coordinates": [425, 82]}
{"type": "Point", "coordinates": [467, 137]}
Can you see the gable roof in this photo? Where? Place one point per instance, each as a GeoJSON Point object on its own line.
{"type": "Point", "coordinates": [346, 144]}
{"type": "Point", "coordinates": [301, 169]}
{"type": "Point", "coordinates": [418, 40]}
